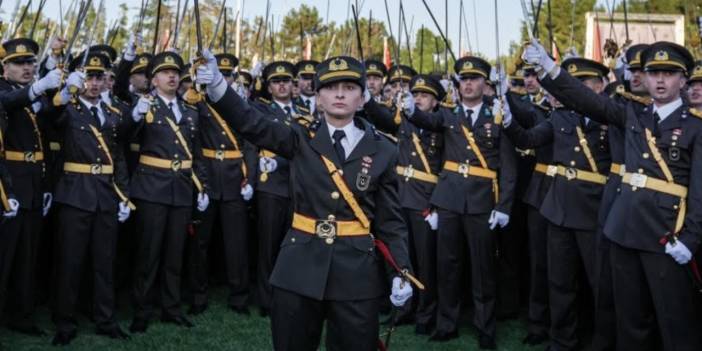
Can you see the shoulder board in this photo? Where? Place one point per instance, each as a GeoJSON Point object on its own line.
{"type": "Point", "coordinates": [264, 101]}
{"type": "Point", "coordinates": [388, 136]}
{"type": "Point", "coordinates": [114, 110]}
{"type": "Point", "coordinates": [190, 106]}
{"type": "Point", "coordinates": [303, 109]}
{"type": "Point", "coordinates": [448, 105]}
{"type": "Point", "coordinates": [645, 100]}
{"type": "Point", "coordinates": [695, 112]}
{"type": "Point", "coordinates": [192, 97]}
{"type": "Point", "coordinates": [307, 118]}
{"type": "Point", "coordinates": [387, 103]}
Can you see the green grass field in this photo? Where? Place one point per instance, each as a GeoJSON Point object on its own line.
{"type": "Point", "coordinates": [220, 329]}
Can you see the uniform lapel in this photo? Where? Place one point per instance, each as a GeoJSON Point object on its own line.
{"type": "Point", "coordinates": [322, 143]}
{"type": "Point", "coordinates": [672, 121]}
{"type": "Point", "coordinates": [367, 145]}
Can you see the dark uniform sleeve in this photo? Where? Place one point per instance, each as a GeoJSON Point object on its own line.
{"type": "Point", "coordinates": [507, 176]}
{"type": "Point", "coordinates": [254, 127]}
{"type": "Point", "coordinates": [691, 233]}
{"type": "Point", "coordinates": [382, 117]}
{"type": "Point", "coordinates": [576, 96]}
{"type": "Point", "coordinates": [539, 135]}
{"type": "Point", "coordinates": [251, 161]}
{"type": "Point", "coordinates": [13, 99]}
{"type": "Point", "coordinates": [199, 166]}
{"type": "Point", "coordinates": [523, 112]}
{"type": "Point", "coordinates": [121, 86]}
{"type": "Point", "coordinates": [121, 175]}
{"type": "Point", "coordinates": [391, 228]}
{"type": "Point", "coordinates": [433, 121]}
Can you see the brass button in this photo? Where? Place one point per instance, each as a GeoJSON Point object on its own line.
{"type": "Point", "coordinates": [572, 163]}
{"type": "Point", "coordinates": [177, 142]}
{"type": "Point", "coordinates": [292, 239]}
{"type": "Point", "coordinates": [414, 153]}
{"type": "Point", "coordinates": [341, 172]}
{"type": "Point", "coordinates": [673, 144]}
{"type": "Point", "coordinates": [221, 146]}
{"type": "Point", "coordinates": [675, 207]}
{"type": "Point", "coordinates": [335, 195]}
{"type": "Point", "coordinates": [645, 155]}
{"type": "Point", "coordinates": [640, 170]}
{"type": "Point", "coordinates": [224, 133]}
{"type": "Point", "coordinates": [577, 149]}
{"type": "Point", "coordinates": [331, 218]}
{"type": "Point", "coordinates": [468, 147]}
{"type": "Point", "coordinates": [175, 156]}
{"type": "Point", "coordinates": [98, 159]}
{"type": "Point", "coordinates": [675, 137]}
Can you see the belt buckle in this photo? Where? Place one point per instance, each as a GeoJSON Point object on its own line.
{"type": "Point", "coordinates": [638, 180]}
{"type": "Point", "coordinates": [326, 229]}
{"type": "Point", "coordinates": [409, 172]}
{"type": "Point", "coordinates": [463, 169]}
{"type": "Point", "coordinates": [176, 165]}
{"type": "Point", "coordinates": [96, 169]}
{"type": "Point", "coordinates": [30, 157]}
{"type": "Point", "coordinates": [551, 170]}
{"type": "Point", "coordinates": [219, 155]}
{"type": "Point", "coordinates": [571, 173]}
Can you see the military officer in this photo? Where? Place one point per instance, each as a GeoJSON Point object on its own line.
{"type": "Point", "coordinates": [169, 175]}
{"type": "Point", "coordinates": [694, 86]}
{"type": "Point", "coordinates": [272, 188]}
{"type": "Point", "coordinates": [579, 168]}
{"type": "Point", "coordinates": [231, 168]}
{"type": "Point", "coordinates": [474, 195]}
{"type": "Point", "coordinates": [654, 232]}
{"type": "Point", "coordinates": [26, 105]}
{"type": "Point", "coordinates": [399, 77]}
{"type": "Point", "coordinates": [344, 182]}
{"type": "Point", "coordinates": [529, 114]}
{"type": "Point", "coordinates": [375, 77]}
{"type": "Point", "coordinates": [305, 71]}
{"type": "Point", "coordinates": [93, 192]}
{"type": "Point", "coordinates": [419, 164]}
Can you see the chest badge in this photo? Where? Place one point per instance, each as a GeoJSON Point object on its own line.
{"type": "Point", "coordinates": [674, 153]}
{"type": "Point", "coordinates": [363, 178]}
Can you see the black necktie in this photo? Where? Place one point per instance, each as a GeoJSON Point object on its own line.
{"type": "Point", "coordinates": [287, 110]}
{"type": "Point", "coordinates": [338, 148]}
{"type": "Point", "coordinates": [94, 111]}
{"type": "Point", "coordinates": [307, 104]}
{"type": "Point", "coordinates": [656, 121]}
{"type": "Point", "coordinates": [469, 116]}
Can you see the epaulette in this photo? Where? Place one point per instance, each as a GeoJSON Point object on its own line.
{"type": "Point", "coordinates": [450, 106]}
{"type": "Point", "coordinates": [387, 103]}
{"type": "Point", "coordinates": [114, 109]}
{"type": "Point", "coordinates": [645, 100]}
{"type": "Point", "coordinates": [264, 101]}
{"type": "Point", "coordinates": [192, 97]}
{"type": "Point", "coordinates": [303, 109]}
{"type": "Point", "coordinates": [695, 112]}
{"type": "Point", "coordinates": [388, 136]}
{"type": "Point", "coordinates": [307, 118]}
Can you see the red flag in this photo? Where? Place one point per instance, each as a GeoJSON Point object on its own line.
{"type": "Point", "coordinates": [386, 53]}
{"type": "Point", "coordinates": [597, 43]}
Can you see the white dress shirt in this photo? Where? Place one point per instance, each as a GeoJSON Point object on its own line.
{"type": "Point", "coordinates": [476, 111]}
{"type": "Point", "coordinates": [353, 136]}
{"type": "Point", "coordinates": [283, 106]}
{"type": "Point", "coordinates": [667, 109]}
{"type": "Point", "coordinates": [312, 101]}
{"type": "Point", "coordinates": [89, 105]}
{"type": "Point", "coordinates": [176, 110]}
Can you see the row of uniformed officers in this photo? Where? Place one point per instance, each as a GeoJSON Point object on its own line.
{"type": "Point", "coordinates": [589, 189]}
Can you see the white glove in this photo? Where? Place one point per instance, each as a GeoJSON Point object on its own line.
{"type": "Point", "coordinates": [433, 220]}
{"type": "Point", "coordinates": [366, 96]}
{"type": "Point", "coordinates": [408, 104]}
{"type": "Point", "coordinates": [247, 192]}
{"type": "Point", "coordinates": [504, 83]}
{"type": "Point", "coordinates": [51, 80]}
{"type": "Point", "coordinates": [202, 202]}
{"type": "Point", "coordinates": [50, 62]}
{"type": "Point", "coordinates": [257, 69]}
{"type": "Point", "coordinates": [445, 83]}
{"type": "Point", "coordinates": [14, 207]}
{"type": "Point", "coordinates": [209, 75]}
{"type": "Point", "coordinates": [124, 212]}
{"type": "Point", "coordinates": [498, 218]}
{"type": "Point", "coordinates": [680, 253]}
{"type": "Point", "coordinates": [141, 108]}
{"type": "Point", "coordinates": [535, 54]}
{"type": "Point", "coordinates": [498, 106]}
{"type": "Point", "coordinates": [401, 292]}
{"type": "Point", "coordinates": [48, 198]}
{"type": "Point", "coordinates": [267, 164]}
{"type": "Point", "coordinates": [75, 79]}
{"type": "Point", "coordinates": [130, 50]}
